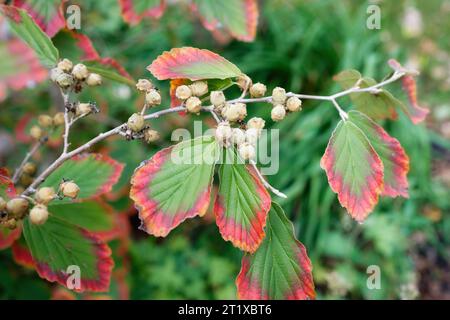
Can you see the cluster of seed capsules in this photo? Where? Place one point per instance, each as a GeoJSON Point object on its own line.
{"type": "Point", "coordinates": [67, 76]}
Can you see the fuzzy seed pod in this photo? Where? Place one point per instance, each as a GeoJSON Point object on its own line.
{"type": "Point", "coordinates": [217, 98]}
{"type": "Point", "coordinates": [144, 85]}
{"type": "Point", "coordinates": [238, 136]}
{"type": "Point", "coordinates": [45, 121]}
{"type": "Point", "coordinates": [45, 194]}
{"type": "Point", "coordinates": [55, 73]}
{"type": "Point", "coordinates": [278, 96]}
{"type": "Point", "coordinates": [83, 109]}
{"type": "Point", "coordinates": [69, 189]}
{"type": "Point", "coordinates": [29, 168]}
{"type": "Point", "coordinates": [193, 105]}
{"type": "Point", "coordinates": [256, 123]}
{"type": "Point", "coordinates": [65, 65]}
{"type": "Point", "coordinates": [247, 151]}
{"type": "Point", "coordinates": [183, 92]}
{"type": "Point", "coordinates": [223, 133]}
{"type": "Point", "coordinates": [199, 88]}
{"type": "Point", "coordinates": [151, 135]}
{"type": "Point", "coordinates": [2, 204]}
{"type": "Point", "coordinates": [153, 97]}
{"type": "Point", "coordinates": [244, 82]}
{"type": "Point", "coordinates": [39, 214]}
{"type": "Point", "coordinates": [26, 180]}
{"type": "Point", "coordinates": [64, 80]}
{"type": "Point", "coordinates": [235, 112]}
{"type": "Point", "coordinates": [258, 90]}
{"type": "Point", "coordinates": [58, 119]}
{"type": "Point", "coordinates": [80, 71]}
{"type": "Point", "coordinates": [278, 113]}
{"type": "Point", "coordinates": [17, 207]}
{"type": "Point", "coordinates": [93, 80]}
{"type": "Point", "coordinates": [136, 122]}
{"type": "Point", "coordinates": [252, 135]}
{"type": "Point", "coordinates": [293, 104]}
{"type": "Point", "coordinates": [224, 109]}
{"type": "Point", "coordinates": [11, 224]}
{"type": "Point", "coordinates": [36, 132]}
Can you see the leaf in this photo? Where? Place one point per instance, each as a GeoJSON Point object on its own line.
{"type": "Point", "coordinates": [7, 237]}
{"type": "Point", "coordinates": [24, 26]}
{"type": "Point", "coordinates": [379, 105]}
{"type": "Point", "coordinates": [193, 64]}
{"type": "Point", "coordinates": [47, 14]}
{"type": "Point", "coordinates": [94, 173]}
{"type": "Point", "coordinates": [354, 170]}
{"type": "Point", "coordinates": [134, 11]}
{"type": "Point", "coordinates": [395, 161]}
{"type": "Point", "coordinates": [280, 268]}
{"type": "Point", "coordinates": [108, 70]}
{"type": "Point", "coordinates": [175, 184]}
{"type": "Point", "coordinates": [242, 204]}
{"type": "Point", "coordinates": [57, 244]}
{"type": "Point", "coordinates": [22, 255]}
{"type": "Point", "coordinates": [237, 17]}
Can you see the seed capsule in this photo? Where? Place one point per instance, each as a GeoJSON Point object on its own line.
{"type": "Point", "coordinates": [256, 123]}
{"type": "Point", "coordinates": [55, 73]}
{"type": "Point", "coordinates": [223, 133]}
{"type": "Point", "coordinates": [36, 132]}
{"type": "Point", "coordinates": [199, 88]}
{"type": "Point", "coordinates": [251, 136]}
{"type": "Point", "coordinates": [278, 96]}
{"type": "Point", "coordinates": [94, 79]}
{"type": "Point", "coordinates": [39, 214]}
{"type": "Point", "coordinates": [136, 122]}
{"type": "Point", "coordinates": [58, 119]}
{"type": "Point", "coordinates": [65, 65]}
{"type": "Point", "coordinates": [151, 135]}
{"type": "Point", "coordinates": [45, 121]}
{"type": "Point", "coordinates": [2, 204]}
{"type": "Point", "coordinates": [217, 98]}
{"type": "Point", "coordinates": [238, 136]}
{"type": "Point", "coordinates": [153, 97]}
{"type": "Point", "coordinates": [69, 189]}
{"type": "Point", "coordinates": [17, 207]}
{"type": "Point", "coordinates": [26, 180]}
{"type": "Point", "coordinates": [64, 80]}
{"type": "Point", "coordinates": [83, 109]}
{"type": "Point", "coordinates": [29, 168]}
{"type": "Point", "coordinates": [247, 151]}
{"type": "Point", "coordinates": [80, 71]}
{"type": "Point", "coordinates": [278, 113]}
{"type": "Point", "coordinates": [144, 85]}
{"type": "Point", "coordinates": [45, 194]}
{"type": "Point", "coordinates": [293, 104]}
{"type": "Point", "coordinates": [193, 105]}
{"type": "Point", "coordinates": [183, 92]}
{"type": "Point", "coordinates": [235, 112]}
{"type": "Point", "coordinates": [11, 224]}
{"type": "Point", "coordinates": [258, 90]}
{"type": "Point", "coordinates": [244, 82]}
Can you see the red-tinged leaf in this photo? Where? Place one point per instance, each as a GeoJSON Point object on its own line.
{"type": "Point", "coordinates": [47, 14]}
{"type": "Point", "coordinates": [7, 237]}
{"type": "Point", "coordinates": [175, 184]}
{"type": "Point", "coordinates": [239, 18]}
{"type": "Point", "coordinates": [7, 190]}
{"type": "Point", "coordinates": [241, 205]}
{"type": "Point", "coordinates": [59, 293]}
{"type": "Point", "coordinates": [280, 269]}
{"type": "Point", "coordinates": [22, 255]}
{"type": "Point", "coordinates": [354, 170]}
{"type": "Point", "coordinates": [193, 64]}
{"type": "Point", "coordinates": [395, 161]}
{"type": "Point", "coordinates": [94, 173]}
{"type": "Point", "coordinates": [22, 131]}
{"type": "Point", "coordinates": [133, 11]}
{"type": "Point", "coordinates": [57, 245]}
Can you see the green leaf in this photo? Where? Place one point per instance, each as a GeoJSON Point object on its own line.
{"type": "Point", "coordinates": [175, 184]}
{"type": "Point", "coordinates": [24, 26]}
{"type": "Point", "coordinates": [108, 72]}
{"type": "Point", "coordinates": [94, 173]}
{"type": "Point", "coordinates": [354, 170]}
{"type": "Point", "coordinates": [280, 268]}
{"type": "Point", "coordinates": [242, 204]}
{"type": "Point", "coordinates": [57, 245]}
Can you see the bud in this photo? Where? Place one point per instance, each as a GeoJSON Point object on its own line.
{"type": "Point", "coordinates": [83, 109]}
{"type": "Point", "coordinates": [151, 135]}
{"type": "Point", "coordinates": [278, 113]}
{"type": "Point", "coordinates": [153, 97]}
{"type": "Point", "coordinates": [36, 132]}
{"type": "Point", "coordinates": [29, 168]}
{"type": "Point", "coordinates": [45, 121]}
{"type": "Point", "coordinates": [183, 92]}
{"type": "Point", "coordinates": [39, 214]}
{"type": "Point", "coordinates": [55, 73]}
{"type": "Point", "coordinates": [65, 65]}
{"type": "Point", "coordinates": [17, 207]}
{"type": "Point", "coordinates": [69, 189]}
{"type": "Point", "coordinates": [64, 80]}
{"type": "Point", "coordinates": [136, 122]}
{"type": "Point", "coordinates": [11, 224]}
{"type": "Point", "coordinates": [244, 82]}
{"type": "Point", "coordinates": [258, 90]}
{"type": "Point", "coordinates": [94, 79]}
{"type": "Point", "coordinates": [247, 151]}
{"type": "Point", "coordinates": [80, 71]}
{"type": "Point", "coordinates": [193, 105]}
{"type": "Point", "coordinates": [223, 133]}
{"type": "Point", "coordinates": [45, 194]}
{"type": "Point", "coordinates": [199, 88]}
{"type": "Point", "coordinates": [2, 204]}
{"type": "Point", "coordinates": [58, 119]}
{"type": "Point", "coordinates": [252, 135]}
{"type": "Point", "coordinates": [238, 136]}
{"type": "Point", "coordinates": [235, 112]}
{"type": "Point", "coordinates": [293, 104]}
{"type": "Point", "coordinates": [217, 98]}
{"type": "Point", "coordinates": [256, 123]}
{"type": "Point", "coordinates": [144, 85]}
{"type": "Point", "coordinates": [278, 95]}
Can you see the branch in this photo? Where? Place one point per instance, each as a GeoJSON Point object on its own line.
{"type": "Point", "coordinates": [27, 157]}
{"type": "Point", "coordinates": [265, 183]}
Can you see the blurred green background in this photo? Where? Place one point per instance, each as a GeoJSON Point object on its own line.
{"type": "Point", "coordinates": [300, 45]}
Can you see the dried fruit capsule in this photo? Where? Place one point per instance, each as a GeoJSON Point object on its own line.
{"type": "Point", "coordinates": [45, 195]}
{"type": "Point", "coordinates": [293, 104]}
{"type": "Point", "coordinates": [247, 151]}
{"type": "Point", "coordinates": [278, 113]}
{"type": "Point", "coordinates": [69, 189]}
{"type": "Point", "coordinates": [80, 71]}
{"type": "Point", "coordinates": [238, 136]}
{"type": "Point", "coordinates": [55, 73]}
{"type": "Point", "coordinates": [256, 123]}
{"type": "Point", "coordinates": [153, 97]}
{"type": "Point", "coordinates": [83, 109]}
{"type": "Point", "coordinates": [183, 92]}
{"type": "Point", "coordinates": [244, 82]}
{"type": "Point", "coordinates": [2, 204]}
{"type": "Point", "coordinates": [17, 207]}
{"type": "Point", "coordinates": [278, 95]}
{"type": "Point", "coordinates": [217, 98]}
{"type": "Point", "coordinates": [258, 90]}
{"type": "Point", "coordinates": [58, 119]}
{"type": "Point", "coordinates": [151, 135]}
{"type": "Point", "coordinates": [11, 224]}
{"type": "Point", "coordinates": [36, 132]}
{"type": "Point", "coordinates": [193, 105]}
{"type": "Point", "coordinates": [223, 133]}
{"type": "Point", "coordinates": [136, 122]}
{"type": "Point", "coordinates": [45, 121]}
{"type": "Point", "coordinates": [199, 88]}
{"type": "Point", "coordinates": [26, 180]}
{"type": "Point", "coordinates": [252, 135]}
{"type": "Point", "coordinates": [235, 112]}
{"type": "Point", "coordinates": [38, 214]}
{"type": "Point", "coordinates": [144, 85]}
{"type": "Point", "coordinates": [64, 80]}
{"type": "Point", "coordinates": [29, 168]}
{"type": "Point", "coordinates": [94, 79]}
{"type": "Point", "coordinates": [65, 65]}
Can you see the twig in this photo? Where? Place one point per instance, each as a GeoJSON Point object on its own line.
{"type": "Point", "coordinates": [265, 183]}
{"type": "Point", "coordinates": [27, 157]}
